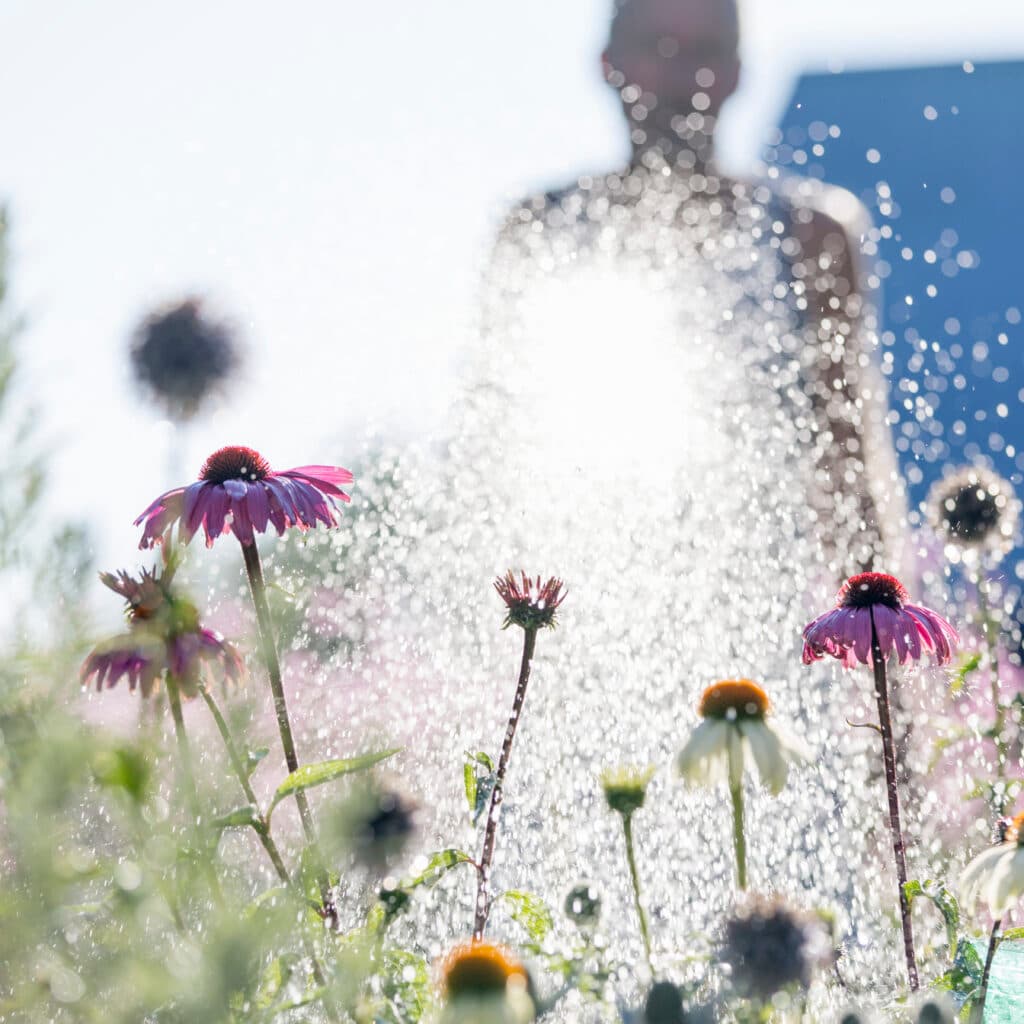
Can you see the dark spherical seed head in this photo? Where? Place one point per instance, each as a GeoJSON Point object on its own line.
{"type": "Point", "coordinates": [936, 1011]}
{"type": "Point", "coordinates": [181, 357]}
{"type": "Point", "coordinates": [234, 462]}
{"type": "Point", "coordinates": [583, 905]}
{"type": "Point", "coordinates": [664, 1005]}
{"type": "Point", "coordinates": [870, 588]}
{"type": "Point", "coordinates": [770, 946]}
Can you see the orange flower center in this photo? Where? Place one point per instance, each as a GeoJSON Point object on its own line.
{"type": "Point", "coordinates": [1015, 830]}
{"type": "Point", "coordinates": [480, 968]}
{"type": "Point", "coordinates": [234, 463]}
{"type": "Point", "coordinates": [734, 698]}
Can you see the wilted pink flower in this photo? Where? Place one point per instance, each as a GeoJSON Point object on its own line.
{"type": "Point", "coordinates": [164, 635]}
{"type": "Point", "coordinates": [878, 602]}
{"type": "Point", "coordinates": [238, 491]}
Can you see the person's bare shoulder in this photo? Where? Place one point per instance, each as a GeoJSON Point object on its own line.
{"type": "Point", "coordinates": [827, 225]}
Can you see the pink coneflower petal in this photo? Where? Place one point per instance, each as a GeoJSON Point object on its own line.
{"type": "Point", "coordinates": [239, 492]}
{"type": "Point", "coordinates": [845, 631]}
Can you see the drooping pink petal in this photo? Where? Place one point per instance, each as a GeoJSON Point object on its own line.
{"type": "Point", "coordinates": [881, 618]}
{"type": "Point", "coordinates": [862, 634]}
{"type": "Point", "coordinates": [194, 508]}
{"type": "Point", "coordinates": [280, 504]}
{"type": "Point", "coordinates": [160, 519]}
{"type": "Point", "coordinates": [218, 504]}
{"type": "Point", "coordinates": [258, 507]}
{"type": "Point", "coordinates": [240, 522]}
{"type": "Point", "coordinates": [319, 475]}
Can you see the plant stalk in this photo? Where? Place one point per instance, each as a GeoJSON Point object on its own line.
{"type": "Point", "coordinates": [627, 828]}
{"type": "Point", "coordinates": [898, 846]}
{"type": "Point", "coordinates": [483, 895]}
{"type": "Point", "coordinates": [264, 831]}
{"type": "Point", "coordinates": [269, 649]}
{"type": "Point", "coordinates": [999, 721]}
{"type": "Point", "coordinates": [739, 836]}
{"type": "Point", "coordinates": [978, 1009]}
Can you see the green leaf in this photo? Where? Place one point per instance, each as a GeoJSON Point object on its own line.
{"type": "Point", "coordinates": [968, 663]}
{"type": "Point", "coordinates": [437, 866]}
{"type": "Point", "coordinates": [123, 768]}
{"type": "Point", "coordinates": [273, 979]}
{"type": "Point", "coordinates": [479, 776]}
{"type": "Point", "coordinates": [530, 912]}
{"type": "Point", "coordinates": [272, 897]}
{"type": "Point", "coordinates": [240, 817]}
{"type": "Point", "coordinates": [311, 775]}
{"type": "Point", "coordinates": [1012, 935]}
{"type": "Point", "coordinates": [406, 988]}
{"type": "Point", "coordinates": [253, 758]}
{"type": "Point", "coordinates": [945, 902]}
{"type": "Point", "coordinates": [963, 979]}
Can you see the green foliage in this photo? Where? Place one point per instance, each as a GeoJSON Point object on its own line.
{"type": "Point", "coordinates": [479, 775]}
{"type": "Point", "coordinates": [530, 912]}
{"type": "Point", "coordinates": [945, 902]}
{"type": "Point", "coordinates": [968, 665]}
{"type": "Point", "coordinates": [311, 775]}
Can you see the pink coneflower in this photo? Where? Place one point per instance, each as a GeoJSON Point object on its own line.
{"type": "Point", "coordinates": [238, 491]}
{"type": "Point", "coordinates": [875, 602]}
{"type": "Point", "coordinates": [530, 603]}
{"type": "Point", "coordinates": [164, 636]}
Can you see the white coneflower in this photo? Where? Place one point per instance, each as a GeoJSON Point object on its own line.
{"type": "Point", "coordinates": [485, 984]}
{"type": "Point", "coordinates": [735, 725]}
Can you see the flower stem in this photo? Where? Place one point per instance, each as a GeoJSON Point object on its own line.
{"type": "Point", "coordinates": [898, 846]}
{"type": "Point", "coordinates": [188, 777]}
{"type": "Point", "coordinates": [978, 1009]}
{"type": "Point", "coordinates": [739, 837]}
{"type": "Point", "coordinates": [264, 830]}
{"type": "Point", "coordinates": [483, 895]}
{"type": "Point", "coordinates": [266, 632]}
{"type": "Point", "coordinates": [999, 711]}
{"type": "Point", "coordinates": [243, 777]}
{"type": "Point", "coordinates": [189, 781]}
{"type": "Point", "coordinates": [627, 828]}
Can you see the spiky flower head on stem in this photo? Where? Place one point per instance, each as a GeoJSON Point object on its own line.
{"type": "Point", "coordinates": [530, 603]}
{"type": "Point", "coordinates": [975, 510]}
{"type": "Point", "coordinates": [997, 875]}
{"type": "Point", "coordinates": [771, 946]}
{"type": "Point", "coordinates": [238, 492]}
{"type": "Point", "coordinates": [876, 602]}
{"type": "Point", "coordinates": [625, 788]}
{"type": "Point", "coordinates": [736, 726]}
{"type": "Point", "coordinates": [182, 356]}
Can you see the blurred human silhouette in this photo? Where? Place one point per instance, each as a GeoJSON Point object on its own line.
{"type": "Point", "coordinates": [789, 248]}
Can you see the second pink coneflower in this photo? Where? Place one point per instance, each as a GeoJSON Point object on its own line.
{"type": "Point", "coordinates": [873, 620]}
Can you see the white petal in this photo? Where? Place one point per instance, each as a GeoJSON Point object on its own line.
{"type": "Point", "coordinates": [702, 759]}
{"type": "Point", "coordinates": [772, 767]}
{"type": "Point", "coordinates": [1006, 882]}
{"type": "Point", "coordinates": [793, 748]}
{"type": "Point", "coordinates": [977, 873]}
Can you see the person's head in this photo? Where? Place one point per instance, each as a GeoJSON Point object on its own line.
{"type": "Point", "coordinates": [675, 50]}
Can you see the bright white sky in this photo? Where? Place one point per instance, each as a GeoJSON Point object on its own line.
{"type": "Point", "coordinates": [329, 177]}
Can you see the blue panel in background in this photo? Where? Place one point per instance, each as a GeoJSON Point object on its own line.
{"type": "Point", "coordinates": [937, 155]}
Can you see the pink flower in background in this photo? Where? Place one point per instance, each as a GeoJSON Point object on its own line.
{"type": "Point", "coordinates": [164, 635]}
{"type": "Point", "coordinates": [875, 602]}
{"type": "Point", "coordinates": [237, 491]}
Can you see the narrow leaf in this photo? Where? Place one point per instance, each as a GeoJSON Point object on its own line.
{"type": "Point", "coordinates": [253, 758]}
{"type": "Point", "coordinates": [311, 775]}
{"type": "Point", "coordinates": [469, 781]}
{"type": "Point", "coordinates": [240, 817]}
{"type": "Point", "coordinates": [968, 664]}
{"type": "Point", "coordinates": [438, 864]}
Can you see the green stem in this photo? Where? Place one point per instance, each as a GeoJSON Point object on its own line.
{"type": "Point", "coordinates": [264, 830]}
{"type": "Point", "coordinates": [978, 1009]}
{"type": "Point", "coordinates": [268, 647]}
{"type": "Point", "coordinates": [999, 721]}
{"type": "Point", "coordinates": [739, 837]}
{"type": "Point", "coordinates": [188, 778]}
{"type": "Point", "coordinates": [483, 895]}
{"type": "Point", "coordinates": [627, 828]}
{"type": "Point", "coordinates": [243, 777]}
{"type": "Point", "coordinates": [189, 781]}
